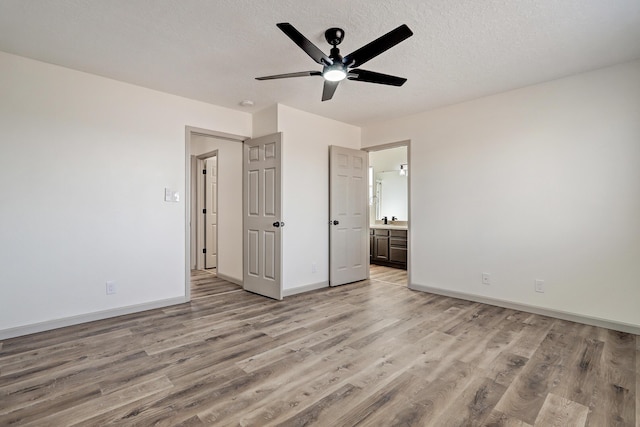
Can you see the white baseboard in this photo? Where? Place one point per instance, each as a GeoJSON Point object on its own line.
{"type": "Point", "coordinates": [84, 318]}
{"type": "Point", "coordinates": [558, 314]}
{"type": "Point", "coordinates": [306, 288]}
{"type": "Point", "coordinates": [229, 279]}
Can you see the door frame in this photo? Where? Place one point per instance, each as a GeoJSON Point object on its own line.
{"type": "Point", "coordinates": [190, 164]}
{"type": "Point", "coordinates": [381, 147]}
{"type": "Point", "coordinates": [200, 203]}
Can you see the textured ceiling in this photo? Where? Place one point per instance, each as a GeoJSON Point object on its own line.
{"type": "Point", "coordinates": [212, 50]}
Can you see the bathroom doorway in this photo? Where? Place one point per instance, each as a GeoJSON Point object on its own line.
{"type": "Point", "coordinates": [389, 212]}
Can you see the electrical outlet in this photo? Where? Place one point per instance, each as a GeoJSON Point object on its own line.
{"type": "Point", "coordinates": [111, 287]}
{"type": "Point", "coordinates": [314, 267]}
{"type": "Point", "coordinates": [486, 278]}
{"type": "Point", "coordinates": [539, 285]}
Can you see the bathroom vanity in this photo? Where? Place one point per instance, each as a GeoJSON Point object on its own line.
{"type": "Point", "coordinates": [388, 245]}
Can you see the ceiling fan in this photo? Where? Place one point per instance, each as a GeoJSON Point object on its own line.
{"type": "Point", "coordinates": [336, 67]}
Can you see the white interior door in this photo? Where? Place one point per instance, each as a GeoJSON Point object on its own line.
{"type": "Point", "coordinates": [262, 207]}
{"type": "Point", "coordinates": [211, 212]}
{"type": "Point", "coordinates": [349, 223]}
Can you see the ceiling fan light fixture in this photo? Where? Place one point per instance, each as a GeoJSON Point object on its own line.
{"type": "Point", "coordinates": [337, 67]}
{"type": "Point", "coordinates": [334, 73]}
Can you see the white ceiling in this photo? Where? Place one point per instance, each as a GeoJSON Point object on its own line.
{"type": "Point", "coordinates": [211, 50]}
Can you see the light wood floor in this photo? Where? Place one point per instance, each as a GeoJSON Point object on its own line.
{"type": "Point", "coordinates": [370, 353]}
{"type": "Point", "coordinates": [392, 276]}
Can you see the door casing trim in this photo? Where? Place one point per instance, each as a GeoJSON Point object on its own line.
{"type": "Point", "coordinates": [189, 131]}
{"type": "Point", "coordinates": [404, 143]}
{"type": "Point", "coordinates": [200, 195]}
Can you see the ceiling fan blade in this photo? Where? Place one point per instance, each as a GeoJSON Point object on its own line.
{"type": "Point", "coordinates": [329, 89]}
{"type": "Point", "coordinates": [376, 47]}
{"type": "Point", "coordinates": [311, 49]}
{"type": "Point", "coordinates": [373, 77]}
{"type": "Point", "coordinates": [284, 76]}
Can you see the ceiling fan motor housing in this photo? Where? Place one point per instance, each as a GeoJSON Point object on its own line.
{"type": "Point", "coordinates": [334, 36]}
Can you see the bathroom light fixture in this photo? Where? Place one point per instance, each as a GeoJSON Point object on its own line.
{"type": "Point", "coordinates": [404, 169]}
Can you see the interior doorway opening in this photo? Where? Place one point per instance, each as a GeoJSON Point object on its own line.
{"type": "Point", "coordinates": [210, 211]}
{"type": "Point", "coordinates": [221, 154]}
{"type": "Point", "coordinates": [389, 205]}
{"type": "Point", "coordinates": [206, 211]}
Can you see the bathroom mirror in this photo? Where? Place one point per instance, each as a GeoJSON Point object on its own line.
{"type": "Point", "coordinates": [388, 184]}
{"type": "Point", "coordinates": [391, 195]}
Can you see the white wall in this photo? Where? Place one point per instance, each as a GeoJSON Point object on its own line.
{"type": "Point", "coordinates": [265, 121]}
{"type": "Point", "coordinates": [537, 183]}
{"type": "Point", "coordinates": [305, 182]}
{"type": "Point", "coordinates": [84, 161]}
{"type": "Point", "coordinates": [229, 202]}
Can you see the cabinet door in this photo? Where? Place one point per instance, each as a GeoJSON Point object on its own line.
{"type": "Point", "coordinates": [402, 234]}
{"type": "Point", "coordinates": [371, 244]}
{"type": "Point", "coordinates": [398, 255]}
{"type": "Point", "coordinates": [397, 242]}
{"type": "Point", "coordinates": [381, 248]}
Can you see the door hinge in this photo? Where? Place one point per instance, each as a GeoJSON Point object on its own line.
{"type": "Point", "coordinates": [204, 211]}
{"type": "Point", "coordinates": [204, 171]}
{"type": "Point", "coordinates": [204, 250]}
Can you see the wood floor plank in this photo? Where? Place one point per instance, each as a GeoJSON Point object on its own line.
{"type": "Point", "coordinates": [313, 413]}
{"type": "Point", "coordinates": [495, 342]}
{"type": "Point", "coordinates": [279, 377]}
{"type": "Point", "coordinates": [32, 411]}
{"type": "Point", "coordinates": [214, 395]}
{"type": "Point", "coordinates": [474, 405]}
{"type": "Point", "coordinates": [22, 363]}
{"type": "Point", "coordinates": [582, 376]}
{"type": "Point", "coordinates": [560, 412]}
{"type": "Point", "coordinates": [506, 367]}
{"type": "Point", "coordinates": [498, 419]}
{"type": "Point", "coordinates": [371, 353]}
{"type": "Point", "coordinates": [445, 389]}
{"type": "Point", "coordinates": [366, 369]}
{"type": "Point", "coordinates": [386, 406]}
{"type": "Point", "coordinates": [615, 382]}
{"type": "Point", "coordinates": [88, 409]}
{"type": "Point", "coordinates": [526, 395]}
{"type": "Point", "coordinates": [189, 392]}
{"type": "Point", "coordinates": [59, 382]}
{"type": "Point", "coordinates": [266, 357]}
{"type": "Point", "coordinates": [530, 339]}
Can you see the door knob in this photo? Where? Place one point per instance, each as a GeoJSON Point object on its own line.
{"type": "Point", "coordinates": [278, 224]}
{"type": "Point", "coordinates": [335, 222]}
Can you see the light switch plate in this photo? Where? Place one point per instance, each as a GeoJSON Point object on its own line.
{"type": "Point", "coordinates": [171, 195]}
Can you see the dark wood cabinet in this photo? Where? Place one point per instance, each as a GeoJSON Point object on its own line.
{"type": "Point", "coordinates": [398, 246]}
{"type": "Point", "coordinates": [388, 247]}
{"type": "Point", "coordinates": [371, 241]}
{"type": "Point", "coordinates": [381, 245]}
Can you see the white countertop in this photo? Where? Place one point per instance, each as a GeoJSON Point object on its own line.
{"type": "Point", "coordinates": [389, 226]}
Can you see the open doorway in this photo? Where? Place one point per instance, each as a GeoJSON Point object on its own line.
{"type": "Point", "coordinates": [206, 211]}
{"type": "Point", "coordinates": [389, 211]}
{"type": "Point", "coordinates": [219, 154]}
